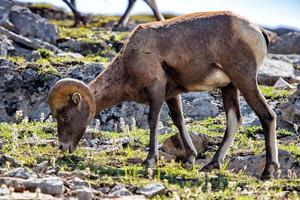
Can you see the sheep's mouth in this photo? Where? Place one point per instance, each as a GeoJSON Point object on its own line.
{"type": "Point", "coordinates": [68, 147]}
{"type": "Point", "coordinates": [72, 148]}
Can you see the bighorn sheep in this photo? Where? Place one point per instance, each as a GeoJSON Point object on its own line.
{"type": "Point", "coordinates": [125, 17]}
{"type": "Point", "coordinates": [160, 60]}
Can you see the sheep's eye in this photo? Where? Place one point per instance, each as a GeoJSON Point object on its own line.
{"type": "Point", "coordinates": [65, 118]}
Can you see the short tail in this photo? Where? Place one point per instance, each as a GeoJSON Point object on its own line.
{"type": "Point", "coordinates": [265, 34]}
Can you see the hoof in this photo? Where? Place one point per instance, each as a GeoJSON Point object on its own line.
{"type": "Point", "coordinates": [188, 166]}
{"type": "Point", "coordinates": [211, 165]}
{"type": "Point", "coordinates": [189, 161]}
{"type": "Point", "coordinates": [269, 171]}
{"type": "Point", "coordinates": [149, 162]}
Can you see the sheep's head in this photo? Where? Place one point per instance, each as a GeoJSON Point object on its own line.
{"type": "Point", "coordinates": [73, 105]}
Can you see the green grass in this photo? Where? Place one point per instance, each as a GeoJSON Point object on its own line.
{"type": "Point", "coordinates": [275, 94]}
{"type": "Point", "coordinates": [113, 168]}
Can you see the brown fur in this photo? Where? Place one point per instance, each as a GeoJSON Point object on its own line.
{"type": "Point", "coordinates": [195, 52]}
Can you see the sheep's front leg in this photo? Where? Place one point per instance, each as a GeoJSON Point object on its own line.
{"type": "Point", "coordinates": [175, 107]}
{"type": "Point", "coordinates": [155, 95]}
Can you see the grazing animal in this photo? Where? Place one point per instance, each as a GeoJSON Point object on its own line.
{"type": "Point", "coordinates": [160, 60]}
{"type": "Point", "coordinates": [125, 17]}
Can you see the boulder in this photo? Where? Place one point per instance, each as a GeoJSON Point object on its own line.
{"type": "Point", "coordinates": [31, 25]}
{"type": "Point", "coordinates": [199, 105]}
{"type": "Point", "coordinates": [254, 164]}
{"type": "Point", "coordinates": [174, 144]}
{"type": "Point", "coordinates": [28, 196]}
{"type": "Point", "coordinates": [5, 6]}
{"type": "Point", "coordinates": [271, 70]}
{"type": "Point", "coordinates": [49, 185]}
{"type": "Point", "coordinates": [288, 43]}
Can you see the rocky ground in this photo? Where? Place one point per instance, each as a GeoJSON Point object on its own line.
{"type": "Point", "coordinates": [37, 51]}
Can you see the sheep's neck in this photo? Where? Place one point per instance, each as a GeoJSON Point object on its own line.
{"type": "Point", "coordinates": [108, 87]}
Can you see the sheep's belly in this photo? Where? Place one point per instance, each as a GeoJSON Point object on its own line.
{"type": "Point", "coordinates": [215, 79]}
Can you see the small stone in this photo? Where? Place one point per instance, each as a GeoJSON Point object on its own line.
{"type": "Point", "coordinates": [174, 145]}
{"type": "Point", "coordinates": [90, 134]}
{"type": "Point", "coordinates": [104, 190]}
{"type": "Point", "coordinates": [164, 130]}
{"type": "Point", "coordinates": [134, 161]}
{"type": "Point", "coordinates": [167, 157]}
{"type": "Point", "coordinates": [4, 190]}
{"type": "Point", "coordinates": [41, 167]}
{"type": "Point", "coordinates": [70, 54]}
{"type": "Point", "coordinates": [78, 182]}
{"type": "Point", "coordinates": [119, 190]}
{"type": "Point", "coordinates": [151, 189]}
{"type": "Point", "coordinates": [18, 173]}
{"type": "Point", "coordinates": [84, 193]}
{"type": "Point", "coordinates": [282, 84]}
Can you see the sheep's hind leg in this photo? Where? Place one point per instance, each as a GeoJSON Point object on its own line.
{"type": "Point", "coordinates": [125, 17]}
{"type": "Point", "coordinates": [155, 95]}
{"type": "Point", "coordinates": [267, 117]}
{"type": "Point", "coordinates": [152, 4]}
{"type": "Point", "coordinates": [175, 107]}
{"type": "Point", "coordinates": [233, 121]}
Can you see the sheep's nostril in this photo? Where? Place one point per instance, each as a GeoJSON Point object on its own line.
{"type": "Point", "coordinates": [60, 147]}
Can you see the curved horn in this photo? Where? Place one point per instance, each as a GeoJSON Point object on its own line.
{"type": "Point", "coordinates": [60, 92]}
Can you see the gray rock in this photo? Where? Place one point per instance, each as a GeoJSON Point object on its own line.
{"type": "Point", "coordinates": [4, 191]}
{"type": "Point", "coordinates": [5, 45]}
{"type": "Point", "coordinates": [78, 182]}
{"type": "Point", "coordinates": [41, 167]}
{"type": "Point", "coordinates": [288, 43]}
{"type": "Point", "coordinates": [290, 111]}
{"type": "Point", "coordinates": [119, 190]}
{"type": "Point", "coordinates": [28, 196]}
{"type": "Point", "coordinates": [82, 47]}
{"type": "Point", "coordinates": [248, 115]}
{"type": "Point", "coordinates": [5, 6]}
{"type": "Point", "coordinates": [282, 84]}
{"type": "Point", "coordinates": [199, 105]}
{"type": "Point", "coordinates": [174, 144]}
{"type": "Point", "coordinates": [70, 54]}
{"type": "Point", "coordinates": [6, 158]}
{"type": "Point", "coordinates": [31, 25]}
{"type": "Point", "coordinates": [104, 190]}
{"type": "Point", "coordinates": [84, 193]}
{"type": "Point", "coordinates": [18, 173]}
{"type": "Point", "coordinates": [271, 70]}
{"type": "Point", "coordinates": [51, 185]}
{"type": "Point", "coordinates": [254, 164]}
{"type": "Point", "coordinates": [151, 189]}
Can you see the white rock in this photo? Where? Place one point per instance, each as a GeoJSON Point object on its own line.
{"type": "Point", "coordinates": [151, 189]}
{"type": "Point", "coordinates": [282, 84]}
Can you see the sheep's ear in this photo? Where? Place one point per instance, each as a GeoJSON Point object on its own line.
{"type": "Point", "coordinates": [76, 98]}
